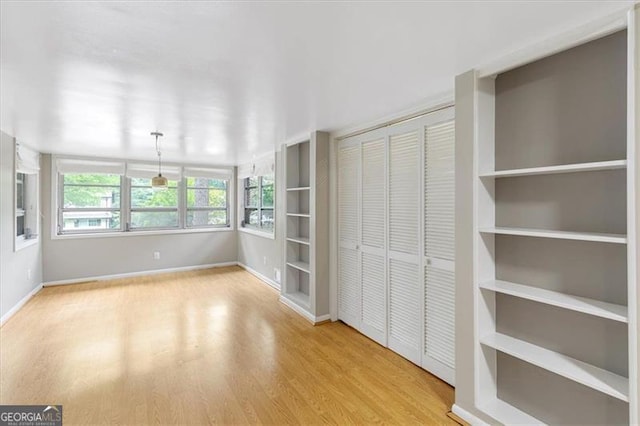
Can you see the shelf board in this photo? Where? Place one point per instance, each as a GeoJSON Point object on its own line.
{"type": "Point", "coordinates": [563, 235]}
{"type": "Point", "coordinates": [564, 168]}
{"type": "Point", "coordinates": [565, 366]}
{"type": "Point", "coordinates": [507, 414]}
{"type": "Point", "coordinates": [299, 240]}
{"type": "Point", "coordinates": [299, 188]}
{"type": "Point", "coordinates": [575, 303]}
{"type": "Point", "coordinates": [299, 298]}
{"type": "Point", "coordinates": [302, 266]}
{"type": "Point", "coordinates": [298, 214]}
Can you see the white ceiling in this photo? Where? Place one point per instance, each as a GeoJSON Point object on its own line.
{"type": "Point", "coordinates": [234, 79]}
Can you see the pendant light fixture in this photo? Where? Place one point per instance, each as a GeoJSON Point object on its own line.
{"type": "Point", "coordinates": [159, 182]}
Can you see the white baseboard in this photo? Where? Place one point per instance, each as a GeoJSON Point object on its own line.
{"type": "Point", "coordinates": [139, 273]}
{"type": "Point", "coordinates": [258, 275]}
{"type": "Point", "coordinates": [323, 318]}
{"type": "Point", "coordinates": [467, 416]}
{"type": "Point", "coordinates": [307, 315]}
{"type": "Point", "coordinates": [20, 304]}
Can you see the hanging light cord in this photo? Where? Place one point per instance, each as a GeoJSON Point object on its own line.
{"type": "Point", "coordinates": [159, 157]}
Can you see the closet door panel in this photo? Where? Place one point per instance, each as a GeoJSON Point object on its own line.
{"type": "Point", "coordinates": [348, 159]}
{"type": "Point", "coordinates": [373, 218]}
{"type": "Point", "coordinates": [439, 234]}
{"type": "Point", "coordinates": [349, 295]}
{"type": "Point", "coordinates": [374, 298]}
{"type": "Point", "coordinates": [405, 286]}
{"type": "Point", "coordinates": [373, 226]}
{"type": "Point", "coordinates": [404, 192]}
{"type": "Point", "coordinates": [349, 290]}
{"type": "Point", "coordinates": [439, 338]}
{"type": "Point", "coordinates": [404, 312]}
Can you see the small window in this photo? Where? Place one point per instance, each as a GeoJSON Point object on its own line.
{"type": "Point", "coordinates": [207, 202]}
{"type": "Point", "coordinates": [26, 202]}
{"type": "Point", "coordinates": [153, 208]}
{"type": "Point", "coordinates": [21, 186]}
{"type": "Point", "coordinates": [90, 202]}
{"type": "Point", "coordinates": [259, 203]}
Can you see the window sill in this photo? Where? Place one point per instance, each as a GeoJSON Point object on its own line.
{"type": "Point", "coordinates": [21, 243]}
{"type": "Point", "coordinates": [263, 234]}
{"type": "Point", "coordinates": [55, 236]}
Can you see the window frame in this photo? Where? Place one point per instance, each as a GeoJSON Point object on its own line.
{"type": "Point", "coordinates": [125, 209]}
{"type": "Point", "coordinates": [259, 208]}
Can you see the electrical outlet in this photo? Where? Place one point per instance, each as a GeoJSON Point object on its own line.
{"type": "Point", "coordinates": [156, 255]}
{"type": "Point", "coordinates": [28, 274]}
{"type": "Point", "coordinates": [264, 260]}
{"type": "Point", "coordinates": [276, 275]}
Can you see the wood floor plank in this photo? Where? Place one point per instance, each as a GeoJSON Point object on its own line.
{"type": "Point", "coordinates": [203, 347]}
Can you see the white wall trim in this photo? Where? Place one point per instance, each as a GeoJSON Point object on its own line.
{"type": "Point", "coordinates": [139, 233]}
{"type": "Point", "coordinates": [11, 312]}
{"type": "Point", "coordinates": [467, 416]}
{"type": "Point", "coordinates": [256, 232]}
{"type": "Point", "coordinates": [440, 100]}
{"type": "Point", "coordinates": [333, 229]}
{"type": "Point", "coordinates": [322, 318]}
{"type": "Point", "coordinates": [312, 319]}
{"type": "Point", "coordinates": [139, 273]}
{"type": "Point", "coordinates": [261, 277]}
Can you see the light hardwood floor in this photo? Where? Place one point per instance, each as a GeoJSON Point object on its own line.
{"type": "Point", "coordinates": [202, 347]}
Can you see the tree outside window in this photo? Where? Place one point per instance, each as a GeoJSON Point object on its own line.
{"type": "Point", "coordinates": [259, 203]}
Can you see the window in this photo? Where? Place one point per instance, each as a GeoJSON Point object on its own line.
{"type": "Point", "coordinates": [27, 163]}
{"type": "Point", "coordinates": [26, 207]}
{"type": "Point", "coordinates": [207, 202]}
{"type": "Point", "coordinates": [20, 197]}
{"type": "Point", "coordinates": [258, 203]}
{"type": "Point", "coordinates": [90, 201]}
{"type": "Point", "coordinates": [153, 208]}
{"type": "Point", "coordinates": [101, 196]}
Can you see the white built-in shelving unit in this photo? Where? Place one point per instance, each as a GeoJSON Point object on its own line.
{"type": "Point", "coordinates": [306, 286]}
{"type": "Point", "coordinates": [552, 265]}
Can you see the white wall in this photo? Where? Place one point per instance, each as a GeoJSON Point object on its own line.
{"type": "Point", "coordinates": [14, 266]}
{"type": "Point", "coordinates": [77, 258]}
{"type": "Point", "coordinates": [264, 254]}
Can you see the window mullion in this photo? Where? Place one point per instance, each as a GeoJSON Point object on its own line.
{"type": "Point", "coordinates": [259, 205]}
{"type": "Point", "coordinates": [125, 203]}
{"type": "Point", "coordinates": [60, 201]}
{"type": "Point", "coordinates": [182, 202]}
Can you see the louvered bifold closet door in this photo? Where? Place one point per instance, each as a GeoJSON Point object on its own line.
{"type": "Point", "coordinates": [373, 224]}
{"type": "Point", "coordinates": [439, 293]}
{"type": "Point", "coordinates": [349, 290]}
{"type": "Point", "coordinates": [405, 283]}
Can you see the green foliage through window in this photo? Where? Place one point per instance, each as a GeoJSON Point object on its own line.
{"type": "Point", "coordinates": [91, 202]}
{"type": "Point", "coordinates": [259, 203]}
